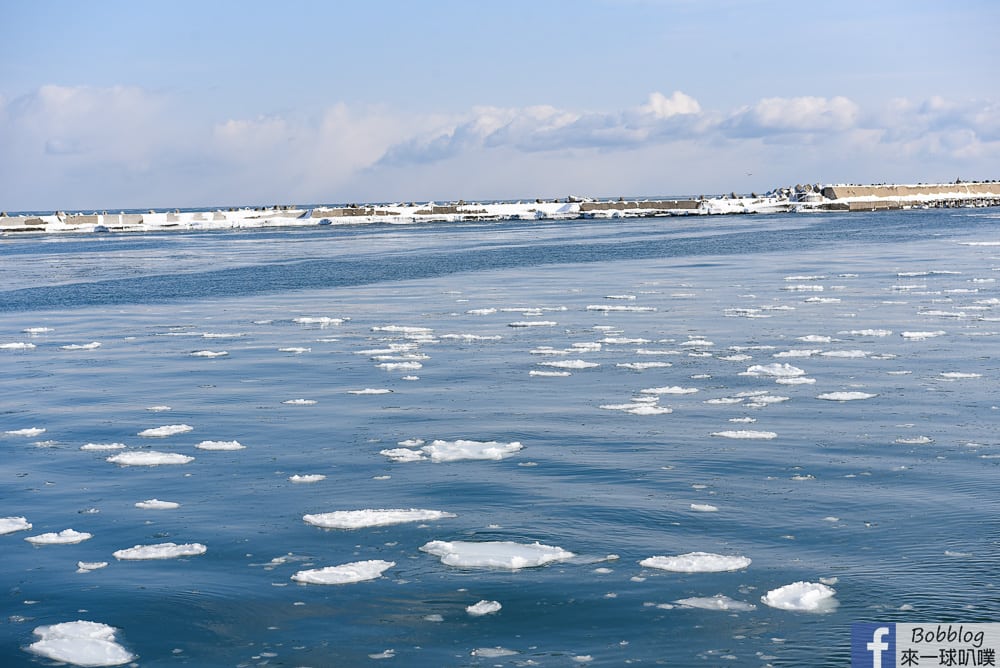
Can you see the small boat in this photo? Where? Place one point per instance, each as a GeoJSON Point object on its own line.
{"type": "Point", "coordinates": [325, 221]}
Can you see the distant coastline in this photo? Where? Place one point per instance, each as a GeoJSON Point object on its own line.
{"type": "Point", "coordinates": [795, 199]}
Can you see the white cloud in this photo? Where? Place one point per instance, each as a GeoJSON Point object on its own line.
{"type": "Point", "coordinates": [76, 147]}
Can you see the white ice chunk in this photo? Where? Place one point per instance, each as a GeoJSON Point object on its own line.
{"type": "Point", "coordinates": [921, 336]}
{"type": "Point", "coordinates": [642, 366]}
{"type": "Point", "coordinates": [483, 608]}
{"type": "Point", "coordinates": [870, 332]}
{"type": "Point", "coordinates": [322, 321]}
{"type": "Point", "coordinates": [746, 434]}
{"type": "Point", "coordinates": [673, 389]}
{"type": "Point", "coordinates": [570, 364]}
{"type": "Point", "coordinates": [495, 554]}
{"type": "Point", "coordinates": [452, 451]}
{"type": "Point", "coordinates": [99, 447]}
{"type": "Point", "coordinates": [777, 370]}
{"type": "Point", "coordinates": [295, 350]}
{"type": "Point", "coordinates": [28, 431]}
{"type": "Point", "coordinates": [704, 508]}
{"type": "Point", "coordinates": [717, 602]}
{"type": "Point", "coordinates": [356, 571]}
{"type": "Point", "coordinates": [649, 409]}
{"type": "Point", "coordinates": [311, 477]}
{"type": "Point", "coordinates": [160, 551]}
{"type": "Point", "coordinates": [64, 537]}
{"type": "Point", "coordinates": [149, 458]}
{"type": "Point", "coordinates": [299, 402]}
{"type": "Point", "coordinates": [549, 374]}
{"type": "Point", "coordinates": [165, 430]}
{"type": "Point", "coordinates": [12, 524]}
{"type": "Point", "coordinates": [210, 354]}
{"type": "Point", "coordinates": [358, 519]}
{"type": "Point", "coordinates": [220, 445]}
{"type": "Point", "coordinates": [80, 643]}
{"type": "Point", "coordinates": [370, 390]}
{"type": "Point", "coordinates": [87, 566]}
{"type": "Point", "coordinates": [697, 562]}
{"type": "Point", "coordinates": [17, 345]}
{"type": "Point", "coordinates": [156, 504]}
{"type": "Point", "coordinates": [533, 323]}
{"type": "Point", "coordinates": [403, 455]}
{"type": "Point", "coordinates": [93, 345]}
{"type": "Point", "coordinates": [802, 597]}
{"type": "Point", "coordinates": [799, 380]}
{"type": "Point", "coordinates": [958, 375]}
{"type": "Point", "coordinates": [845, 396]}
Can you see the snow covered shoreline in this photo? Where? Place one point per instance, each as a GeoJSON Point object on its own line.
{"type": "Point", "coordinates": [800, 199]}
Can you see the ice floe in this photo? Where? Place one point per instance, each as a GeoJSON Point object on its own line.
{"type": "Point", "coordinates": [576, 365]}
{"type": "Point", "coordinates": [718, 602]}
{"type": "Point", "coordinates": [775, 370]}
{"type": "Point", "coordinates": [17, 345]}
{"type": "Point", "coordinates": [93, 345]}
{"type": "Point", "coordinates": [322, 321]}
{"type": "Point", "coordinates": [533, 323]}
{"type": "Point", "coordinates": [704, 508]}
{"type": "Point", "coordinates": [149, 458]}
{"type": "Point", "coordinates": [549, 374]}
{"type": "Point", "coordinates": [220, 445]}
{"type": "Point", "coordinates": [370, 390]}
{"type": "Point", "coordinates": [27, 431]}
{"type": "Point", "coordinates": [922, 336]}
{"type": "Point", "coordinates": [359, 519]}
{"type": "Point", "coordinates": [80, 643]}
{"type": "Point", "coordinates": [845, 396]}
{"type": "Point", "coordinates": [672, 389]}
{"type": "Point", "coordinates": [299, 402]}
{"type": "Point", "coordinates": [102, 447]}
{"type": "Point", "coordinates": [958, 375]}
{"type": "Point", "coordinates": [64, 537]}
{"type": "Point", "coordinates": [453, 451]}
{"type": "Point", "coordinates": [643, 366]}
{"type": "Point", "coordinates": [697, 562]}
{"type": "Point", "coordinates": [156, 504]}
{"type": "Point", "coordinates": [210, 354]}
{"type": "Point", "coordinates": [495, 554]}
{"type": "Point", "coordinates": [160, 551]}
{"type": "Point", "coordinates": [87, 566]}
{"type": "Point", "coordinates": [802, 597]}
{"type": "Point", "coordinates": [166, 430]}
{"type": "Point", "coordinates": [746, 434]}
{"type": "Point", "coordinates": [483, 608]}
{"type": "Point", "coordinates": [12, 524]}
{"type": "Point", "coordinates": [307, 478]}
{"type": "Point", "coordinates": [356, 571]}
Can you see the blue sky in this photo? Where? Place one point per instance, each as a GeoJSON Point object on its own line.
{"type": "Point", "coordinates": [159, 104]}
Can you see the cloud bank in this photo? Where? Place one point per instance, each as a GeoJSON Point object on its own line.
{"type": "Point", "coordinates": [79, 147]}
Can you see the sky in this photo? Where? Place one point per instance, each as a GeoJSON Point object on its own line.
{"type": "Point", "coordinates": [115, 104]}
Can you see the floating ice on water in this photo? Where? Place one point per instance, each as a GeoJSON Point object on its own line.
{"type": "Point", "coordinates": [209, 353]}
{"type": "Point", "coordinates": [495, 554]}
{"type": "Point", "coordinates": [322, 321]}
{"type": "Point", "coordinates": [356, 571]}
{"type": "Point", "coordinates": [87, 566]}
{"type": "Point", "coordinates": [37, 330]}
{"type": "Point", "coordinates": [295, 350]}
{"type": "Point", "coordinates": [80, 643]}
{"type": "Point", "coordinates": [958, 375]}
{"type": "Point", "coordinates": [745, 420]}
{"type": "Point", "coordinates": [401, 366]}
{"type": "Point", "coordinates": [921, 336]}
{"type": "Point", "coordinates": [776, 370]}
{"type": "Point", "coordinates": [483, 608]}
{"type": "Point", "coordinates": [814, 338]}
{"type": "Point", "coordinates": [550, 374]}
{"type": "Point", "coordinates": [532, 323]}
{"type": "Point", "coordinates": [798, 352]}
{"type": "Point", "coordinates": [673, 389]}
{"type": "Point", "coordinates": [649, 409]}
{"type": "Point", "coordinates": [849, 354]}
{"type": "Point", "coordinates": [220, 445]}
{"type": "Point", "coordinates": [800, 380]}
{"type": "Point", "coordinates": [741, 357]}
{"type": "Point", "coordinates": [64, 537]}
{"type": "Point", "coordinates": [452, 451]}
{"type": "Point", "coordinates": [220, 335]}
{"type": "Point", "coordinates": [548, 350]}
{"type": "Point", "coordinates": [845, 396]}
{"type": "Point", "coordinates": [403, 455]}
{"type": "Point", "coordinates": [802, 597]}
{"type": "Point", "coordinates": [805, 278]}
{"type": "Point", "coordinates": [746, 434]}
{"type": "Point", "coordinates": [822, 300]}
{"type": "Point", "coordinates": [482, 311]}
{"type": "Point", "coordinates": [587, 346]}
{"type": "Point", "coordinates": [158, 409]}
{"type": "Point", "coordinates": [12, 524]}
{"type": "Point", "coordinates": [385, 654]}
{"type": "Point", "coordinates": [160, 551]}
{"type": "Point", "coordinates": [299, 402]}
{"type": "Point", "coordinates": [697, 562]}
{"type": "Point", "coordinates": [166, 430]}
{"type": "Point", "coordinates": [370, 390]}
{"type": "Point", "coordinates": [17, 346]}
{"type": "Point", "coordinates": [704, 508]}
{"type": "Point", "coordinates": [803, 288]}
{"type": "Point", "coordinates": [625, 297]}
{"type": "Point", "coordinates": [643, 366]}
{"type": "Point", "coordinates": [870, 332]}
{"type": "Point", "coordinates": [156, 504]}
{"type": "Point", "coordinates": [916, 440]}
{"type": "Point", "coordinates": [93, 345]}
{"type": "Point", "coordinates": [149, 458]}
{"type": "Point", "coordinates": [621, 340]}
{"type": "Point", "coordinates": [358, 519]}
{"type": "Point", "coordinates": [571, 364]}
{"type": "Point", "coordinates": [471, 337]}
{"type": "Point", "coordinates": [493, 652]}
{"type": "Point", "coordinates": [619, 309]}
{"type": "Point", "coordinates": [310, 477]}
{"type": "Point", "coordinates": [717, 602]}
{"type": "Point", "coordinates": [27, 431]}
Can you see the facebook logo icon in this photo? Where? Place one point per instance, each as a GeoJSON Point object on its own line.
{"type": "Point", "coordinates": [873, 645]}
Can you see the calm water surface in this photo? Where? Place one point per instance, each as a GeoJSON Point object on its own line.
{"type": "Point", "coordinates": [890, 499]}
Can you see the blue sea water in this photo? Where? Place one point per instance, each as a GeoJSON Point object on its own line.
{"type": "Point", "coordinates": [888, 499]}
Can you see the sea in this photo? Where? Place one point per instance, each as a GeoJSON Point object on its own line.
{"type": "Point", "coordinates": [691, 414]}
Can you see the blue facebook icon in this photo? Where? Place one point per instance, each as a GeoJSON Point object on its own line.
{"type": "Point", "coordinates": [873, 645]}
